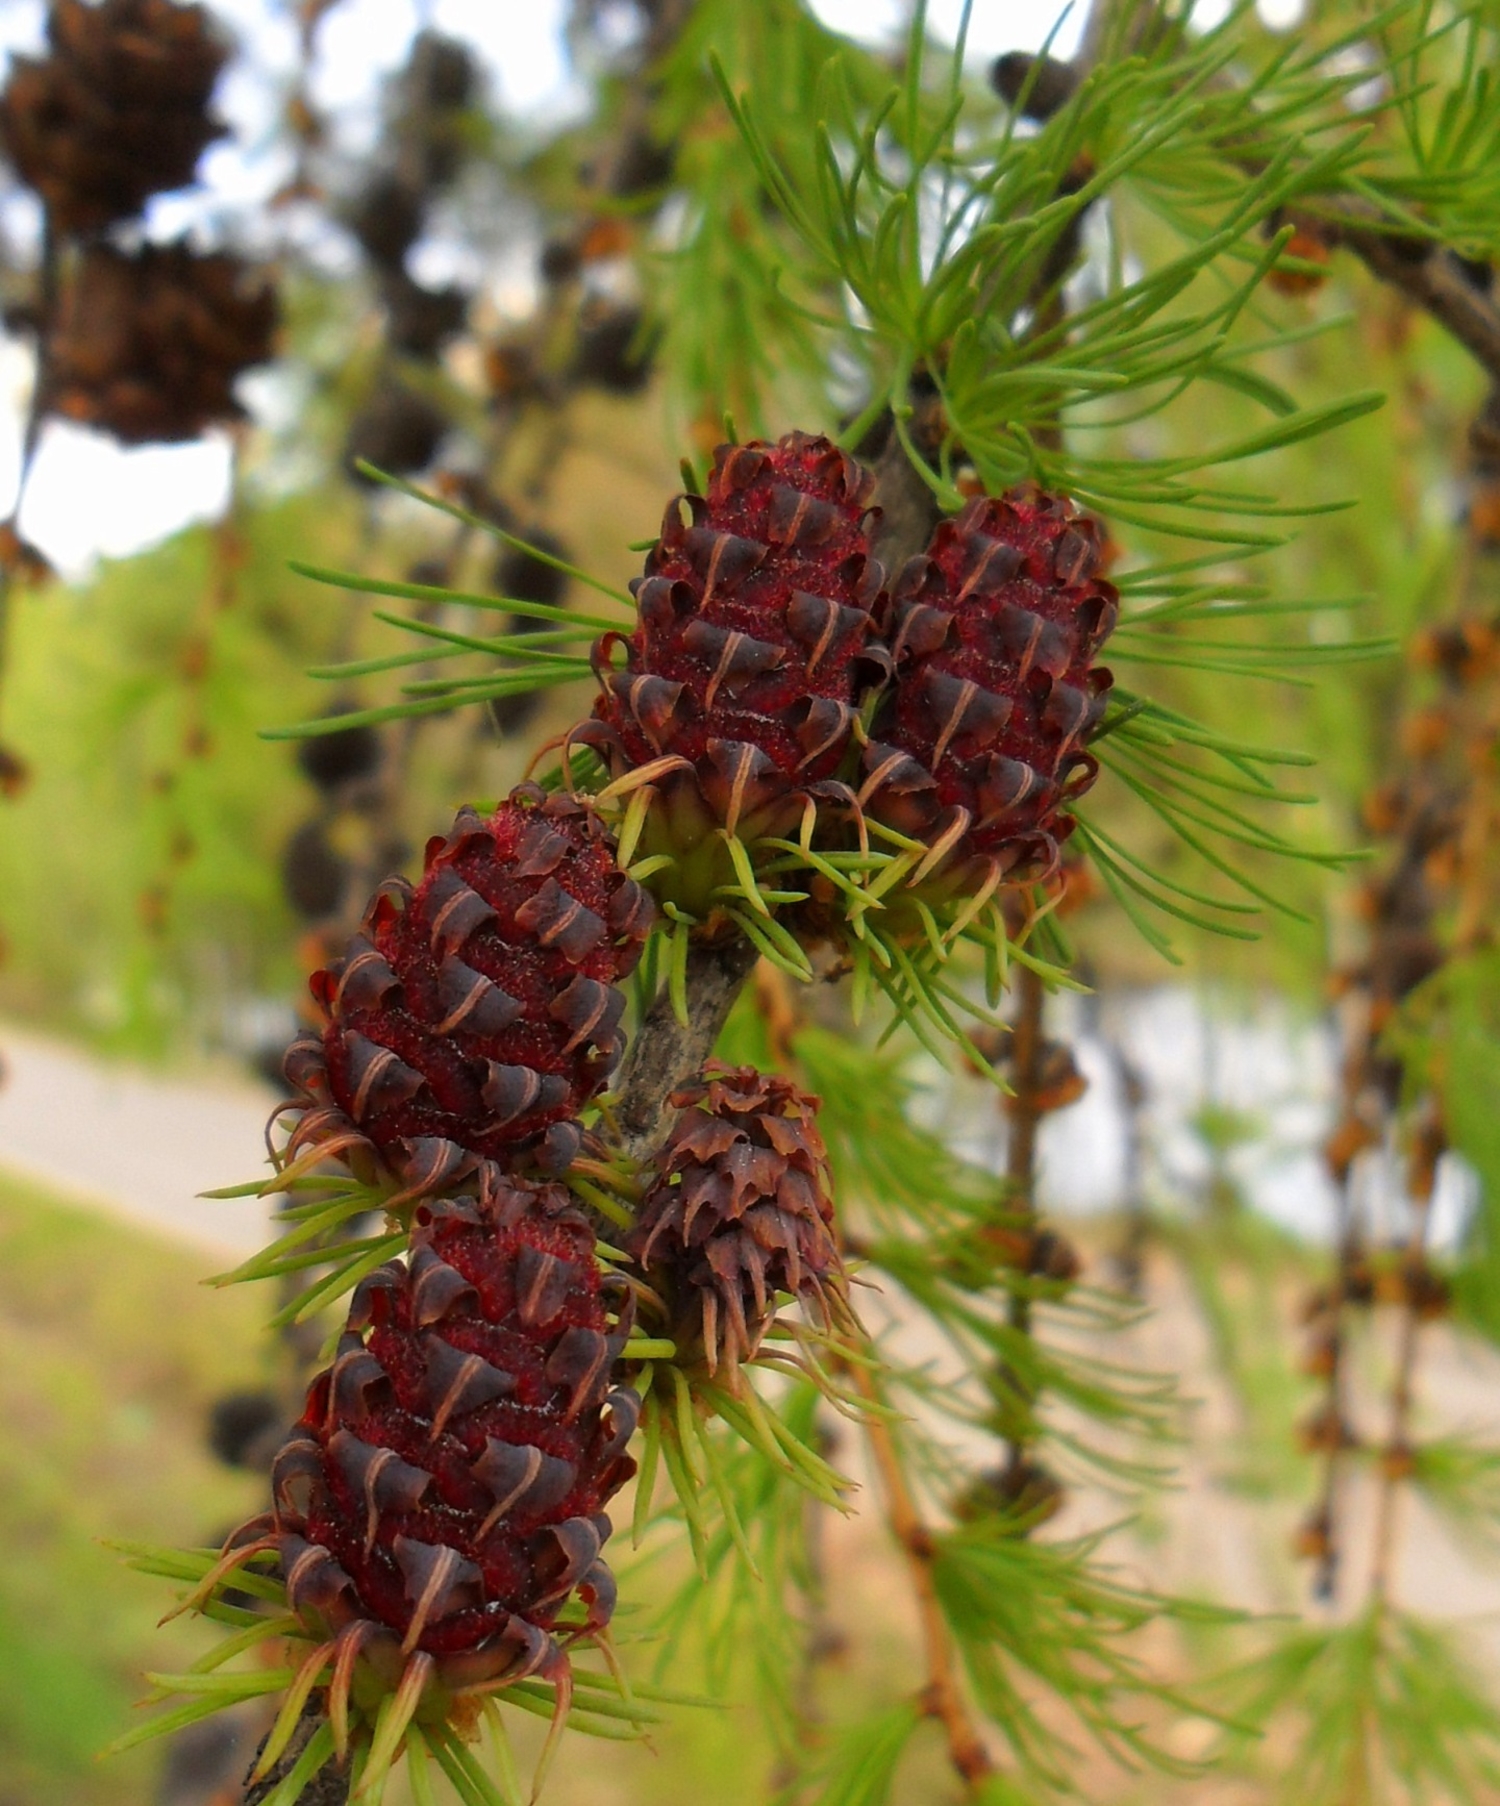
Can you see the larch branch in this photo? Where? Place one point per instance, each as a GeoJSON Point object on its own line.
{"type": "Point", "coordinates": [942, 1696]}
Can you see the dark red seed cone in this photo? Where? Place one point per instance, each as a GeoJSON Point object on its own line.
{"type": "Point", "coordinates": [117, 110]}
{"type": "Point", "coordinates": [994, 631]}
{"type": "Point", "coordinates": [444, 1491]}
{"type": "Point", "coordinates": [474, 1016]}
{"type": "Point", "coordinates": [740, 1208]}
{"type": "Point", "coordinates": [754, 627]}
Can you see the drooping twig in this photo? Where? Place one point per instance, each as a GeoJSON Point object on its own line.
{"type": "Point", "coordinates": [47, 289]}
{"type": "Point", "coordinates": [1396, 1461]}
{"type": "Point", "coordinates": [1319, 1538]}
{"type": "Point", "coordinates": [329, 1787]}
{"type": "Point", "coordinates": [908, 508]}
{"type": "Point", "coordinates": [1023, 1111]}
{"type": "Point", "coordinates": [1425, 271]}
{"type": "Point", "coordinates": [942, 1696]}
{"type": "Point", "coordinates": [1479, 727]}
{"type": "Point", "coordinates": [665, 1053]}
{"type": "Point", "coordinates": [1401, 951]}
{"type": "Point", "coordinates": [1442, 811]}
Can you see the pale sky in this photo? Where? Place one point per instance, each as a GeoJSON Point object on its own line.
{"type": "Point", "coordinates": [89, 497]}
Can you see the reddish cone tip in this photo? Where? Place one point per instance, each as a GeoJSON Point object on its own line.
{"type": "Point", "coordinates": [754, 622]}
{"type": "Point", "coordinates": [474, 1016]}
{"type": "Point", "coordinates": [740, 1209]}
{"type": "Point", "coordinates": [444, 1489]}
{"type": "Point", "coordinates": [994, 630]}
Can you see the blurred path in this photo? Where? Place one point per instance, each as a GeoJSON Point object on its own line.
{"type": "Point", "coordinates": [135, 1143]}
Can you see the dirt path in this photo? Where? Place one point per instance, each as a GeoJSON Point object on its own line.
{"type": "Point", "coordinates": [136, 1144]}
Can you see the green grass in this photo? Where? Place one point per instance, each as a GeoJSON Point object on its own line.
{"type": "Point", "coordinates": [110, 1355]}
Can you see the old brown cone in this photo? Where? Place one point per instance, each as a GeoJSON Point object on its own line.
{"type": "Point", "coordinates": [116, 111]}
{"type": "Point", "coordinates": [148, 344]}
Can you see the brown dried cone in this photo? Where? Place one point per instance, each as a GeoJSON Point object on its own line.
{"type": "Point", "coordinates": [434, 93]}
{"type": "Point", "coordinates": [740, 1208]}
{"type": "Point", "coordinates": [148, 344]}
{"type": "Point", "coordinates": [118, 109]}
{"type": "Point", "coordinates": [385, 219]}
{"type": "Point", "coordinates": [475, 1014]}
{"type": "Point", "coordinates": [420, 321]}
{"type": "Point", "coordinates": [442, 1498]}
{"type": "Point", "coordinates": [397, 430]}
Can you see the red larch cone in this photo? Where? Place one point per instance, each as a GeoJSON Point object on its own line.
{"type": "Point", "coordinates": [981, 744]}
{"type": "Point", "coordinates": [443, 1493]}
{"type": "Point", "coordinates": [754, 632]}
{"type": "Point", "coordinates": [475, 1014]}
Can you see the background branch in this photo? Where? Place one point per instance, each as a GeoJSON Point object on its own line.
{"type": "Point", "coordinates": [1432, 276]}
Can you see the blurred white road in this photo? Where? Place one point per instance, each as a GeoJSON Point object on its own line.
{"type": "Point", "coordinates": [140, 1145]}
{"type": "Point", "coordinates": [145, 1144]}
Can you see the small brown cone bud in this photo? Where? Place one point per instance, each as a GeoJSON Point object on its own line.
{"type": "Point", "coordinates": [1320, 1357]}
{"type": "Point", "coordinates": [1324, 1431]}
{"type": "Point", "coordinates": [15, 774]}
{"type": "Point", "coordinates": [1425, 733]}
{"type": "Point", "coordinates": [740, 1208]}
{"type": "Point", "coordinates": [1349, 1139]}
{"type": "Point", "coordinates": [1023, 1488]}
{"type": "Point", "coordinates": [1313, 1540]}
{"type": "Point", "coordinates": [1399, 1461]}
{"type": "Point", "coordinates": [1306, 246]}
{"type": "Point", "coordinates": [1359, 1283]}
{"type": "Point", "coordinates": [1038, 1253]}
